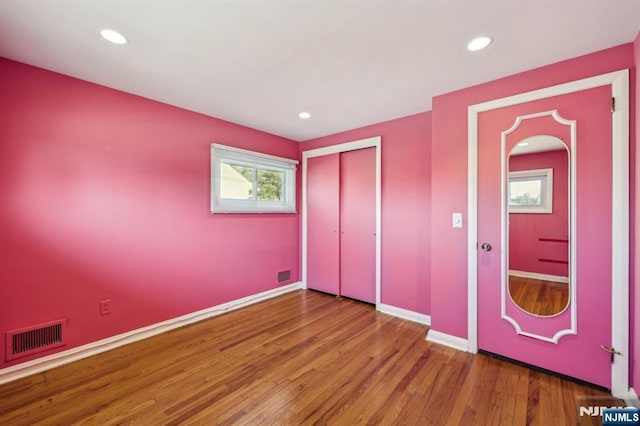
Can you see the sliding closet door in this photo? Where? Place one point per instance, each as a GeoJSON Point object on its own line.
{"type": "Point", "coordinates": [323, 223]}
{"type": "Point", "coordinates": [358, 224]}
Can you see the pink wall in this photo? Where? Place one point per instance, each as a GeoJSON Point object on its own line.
{"type": "Point", "coordinates": [405, 206]}
{"type": "Point", "coordinates": [635, 293]}
{"type": "Point", "coordinates": [526, 229]}
{"type": "Point", "coordinates": [449, 173]}
{"type": "Point", "coordinates": [105, 195]}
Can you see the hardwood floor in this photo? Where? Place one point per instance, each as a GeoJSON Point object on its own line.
{"type": "Point", "coordinates": [539, 297]}
{"type": "Point", "coordinates": [302, 358]}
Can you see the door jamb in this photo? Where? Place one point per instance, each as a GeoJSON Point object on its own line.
{"type": "Point", "coordinates": [375, 142]}
{"type": "Point", "coordinates": [619, 81]}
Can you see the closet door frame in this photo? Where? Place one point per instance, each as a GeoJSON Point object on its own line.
{"type": "Point", "coordinates": [372, 142]}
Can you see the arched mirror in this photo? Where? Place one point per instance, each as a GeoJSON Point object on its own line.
{"type": "Point", "coordinates": [538, 193]}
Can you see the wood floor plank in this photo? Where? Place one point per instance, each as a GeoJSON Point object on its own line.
{"type": "Point", "coordinates": [302, 358]}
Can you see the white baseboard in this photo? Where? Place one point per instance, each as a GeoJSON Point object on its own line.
{"type": "Point", "coordinates": [404, 314]}
{"type": "Point", "coordinates": [55, 360]}
{"type": "Point", "coordinates": [448, 340]}
{"type": "Point", "coordinates": [632, 399]}
{"type": "Point", "coordinates": [537, 276]}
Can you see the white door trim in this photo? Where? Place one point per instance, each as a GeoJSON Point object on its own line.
{"type": "Point", "coordinates": [619, 81]}
{"type": "Point", "coordinates": [375, 142]}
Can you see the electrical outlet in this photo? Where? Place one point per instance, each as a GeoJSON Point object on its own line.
{"type": "Point", "coordinates": [105, 307]}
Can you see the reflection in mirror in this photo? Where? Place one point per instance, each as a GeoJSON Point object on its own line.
{"type": "Point", "coordinates": [538, 248]}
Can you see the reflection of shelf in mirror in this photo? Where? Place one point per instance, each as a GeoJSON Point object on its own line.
{"type": "Point", "coordinates": [564, 262]}
{"type": "Point", "coordinates": [553, 240]}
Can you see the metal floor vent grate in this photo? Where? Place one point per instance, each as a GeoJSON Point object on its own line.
{"type": "Point", "coordinates": [34, 339]}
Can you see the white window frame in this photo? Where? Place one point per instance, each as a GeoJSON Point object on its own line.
{"type": "Point", "coordinates": [222, 153]}
{"type": "Point", "coordinates": [546, 198]}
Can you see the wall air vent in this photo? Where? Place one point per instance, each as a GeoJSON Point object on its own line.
{"type": "Point", "coordinates": [34, 339]}
{"type": "Point", "coordinates": [284, 276]}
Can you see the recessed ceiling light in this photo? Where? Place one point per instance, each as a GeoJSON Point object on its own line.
{"type": "Point", "coordinates": [304, 115]}
{"type": "Point", "coordinates": [479, 43]}
{"type": "Point", "coordinates": [113, 36]}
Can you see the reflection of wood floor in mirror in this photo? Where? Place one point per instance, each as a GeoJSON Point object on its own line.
{"type": "Point", "coordinates": [539, 297]}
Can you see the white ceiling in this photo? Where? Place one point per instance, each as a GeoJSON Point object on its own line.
{"type": "Point", "coordinates": [538, 143]}
{"type": "Point", "coordinates": [348, 62]}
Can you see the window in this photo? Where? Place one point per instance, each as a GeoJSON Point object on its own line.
{"type": "Point", "coordinates": [531, 191]}
{"type": "Point", "coordinates": [250, 182]}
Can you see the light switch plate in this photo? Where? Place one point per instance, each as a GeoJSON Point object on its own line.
{"type": "Point", "coordinates": [457, 220]}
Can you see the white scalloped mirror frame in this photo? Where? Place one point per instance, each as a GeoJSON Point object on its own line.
{"type": "Point", "coordinates": [505, 298]}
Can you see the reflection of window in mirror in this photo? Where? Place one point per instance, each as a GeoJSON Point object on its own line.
{"type": "Point", "coordinates": [531, 191]}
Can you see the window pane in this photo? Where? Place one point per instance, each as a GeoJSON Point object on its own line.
{"type": "Point", "coordinates": [236, 182]}
{"type": "Point", "coordinates": [525, 192]}
{"type": "Point", "coordinates": [270, 185]}
{"type": "Point", "coordinates": [250, 182]}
